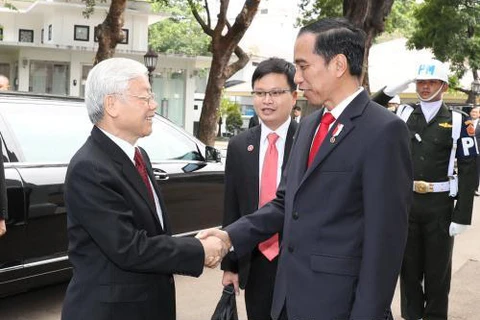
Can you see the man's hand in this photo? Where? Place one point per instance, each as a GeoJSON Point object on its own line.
{"type": "Point", "coordinates": [231, 278]}
{"type": "Point", "coordinates": [215, 249]}
{"type": "Point", "coordinates": [456, 229]}
{"type": "Point", "coordinates": [3, 227]}
{"type": "Point", "coordinates": [223, 235]}
{"type": "Point", "coordinates": [395, 88]}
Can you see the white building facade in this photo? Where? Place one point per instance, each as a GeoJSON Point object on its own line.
{"type": "Point", "coordinates": [47, 46]}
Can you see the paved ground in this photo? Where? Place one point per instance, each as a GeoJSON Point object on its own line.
{"type": "Point", "coordinates": [196, 298]}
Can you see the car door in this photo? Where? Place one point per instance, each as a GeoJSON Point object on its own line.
{"type": "Point", "coordinates": [46, 135]}
{"type": "Point", "coordinates": [192, 187]}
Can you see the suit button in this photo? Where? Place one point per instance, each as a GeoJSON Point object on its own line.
{"type": "Point", "coordinates": [295, 215]}
{"type": "Point", "coordinates": [291, 249]}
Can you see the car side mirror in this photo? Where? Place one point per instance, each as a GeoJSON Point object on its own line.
{"type": "Point", "coordinates": [212, 154]}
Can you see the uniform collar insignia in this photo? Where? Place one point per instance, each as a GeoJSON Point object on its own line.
{"type": "Point", "coordinates": [445, 125]}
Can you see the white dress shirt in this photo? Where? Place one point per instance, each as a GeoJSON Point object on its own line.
{"type": "Point", "coordinates": [130, 152]}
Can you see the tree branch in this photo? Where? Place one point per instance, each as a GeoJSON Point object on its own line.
{"type": "Point", "coordinates": [209, 18]}
{"type": "Point", "coordinates": [243, 58]}
{"type": "Point", "coordinates": [222, 17]}
{"type": "Point", "coordinates": [199, 19]}
{"type": "Point", "coordinates": [243, 21]}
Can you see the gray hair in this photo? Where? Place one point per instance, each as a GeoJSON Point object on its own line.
{"type": "Point", "coordinates": [108, 77]}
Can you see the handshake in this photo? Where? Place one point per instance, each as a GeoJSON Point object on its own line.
{"type": "Point", "coordinates": [216, 244]}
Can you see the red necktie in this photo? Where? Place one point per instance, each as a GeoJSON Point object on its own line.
{"type": "Point", "coordinates": [142, 170]}
{"type": "Point", "coordinates": [325, 123]}
{"type": "Point", "coordinates": [268, 188]}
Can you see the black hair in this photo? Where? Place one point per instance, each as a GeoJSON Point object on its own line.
{"type": "Point", "coordinates": [297, 108]}
{"type": "Point", "coordinates": [338, 36]}
{"type": "Point", "coordinates": [275, 65]}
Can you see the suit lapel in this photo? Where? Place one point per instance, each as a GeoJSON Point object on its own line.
{"type": "Point", "coordinates": [252, 151]}
{"type": "Point", "coordinates": [126, 166]}
{"type": "Point", "coordinates": [353, 110]}
{"type": "Point", "coordinates": [289, 142]}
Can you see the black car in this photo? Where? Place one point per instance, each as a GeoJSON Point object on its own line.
{"type": "Point", "coordinates": [40, 134]}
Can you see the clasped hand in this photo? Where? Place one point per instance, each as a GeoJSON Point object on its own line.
{"type": "Point", "coordinates": [216, 244]}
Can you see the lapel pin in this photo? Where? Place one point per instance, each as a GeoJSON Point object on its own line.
{"type": "Point", "coordinates": [336, 132]}
{"type": "Point", "coordinates": [250, 148]}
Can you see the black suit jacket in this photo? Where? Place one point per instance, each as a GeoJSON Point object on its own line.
{"type": "Point", "coordinates": [344, 218]}
{"type": "Point", "coordinates": [122, 258]}
{"type": "Point", "coordinates": [242, 185]}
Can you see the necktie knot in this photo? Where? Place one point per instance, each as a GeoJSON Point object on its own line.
{"type": "Point", "coordinates": [328, 119]}
{"type": "Point", "coordinates": [272, 138]}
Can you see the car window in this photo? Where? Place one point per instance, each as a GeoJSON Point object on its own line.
{"type": "Point", "coordinates": [168, 143]}
{"type": "Point", "coordinates": [53, 134]}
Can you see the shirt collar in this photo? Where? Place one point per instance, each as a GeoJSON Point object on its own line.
{"type": "Point", "coordinates": [122, 144]}
{"type": "Point", "coordinates": [337, 111]}
{"type": "Point", "coordinates": [281, 131]}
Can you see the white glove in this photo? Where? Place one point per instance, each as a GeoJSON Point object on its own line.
{"type": "Point", "coordinates": [456, 228]}
{"type": "Point", "coordinates": [395, 88]}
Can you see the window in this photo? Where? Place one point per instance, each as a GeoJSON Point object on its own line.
{"type": "Point", "coordinates": [25, 35]}
{"type": "Point", "coordinates": [125, 36]}
{"type": "Point", "coordinates": [40, 140]}
{"type": "Point", "coordinates": [49, 77]}
{"type": "Point", "coordinates": [49, 32]}
{"type": "Point", "coordinates": [1, 33]}
{"type": "Point", "coordinates": [81, 33]}
{"type": "Point", "coordinates": [168, 143]}
{"type": "Point", "coordinates": [43, 35]}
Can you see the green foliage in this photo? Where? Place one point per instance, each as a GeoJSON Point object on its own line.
{"type": "Point", "coordinates": [232, 111]}
{"type": "Point", "coordinates": [313, 10]}
{"type": "Point", "coordinates": [449, 28]}
{"type": "Point", "coordinates": [179, 34]}
{"type": "Point", "coordinates": [401, 19]}
{"type": "Point", "coordinates": [399, 22]}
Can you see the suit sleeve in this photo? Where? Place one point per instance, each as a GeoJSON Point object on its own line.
{"type": "Point", "coordinates": [3, 189]}
{"type": "Point", "coordinates": [387, 192]}
{"type": "Point", "coordinates": [254, 228]}
{"type": "Point", "coordinates": [231, 207]}
{"type": "Point", "coordinates": [97, 207]}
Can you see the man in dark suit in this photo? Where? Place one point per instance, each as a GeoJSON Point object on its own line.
{"type": "Point", "coordinates": [120, 246]}
{"type": "Point", "coordinates": [274, 95]}
{"type": "Point", "coordinates": [253, 121]}
{"type": "Point", "coordinates": [343, 200]}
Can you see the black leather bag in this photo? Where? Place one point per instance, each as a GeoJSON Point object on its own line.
{"type": "Point", "coordinates": [227, 306]}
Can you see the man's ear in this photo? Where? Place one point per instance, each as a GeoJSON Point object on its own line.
{"type": "Point", "coordinates": [109, 105]}
{"type": "Point", "coordinates": [340, 64]}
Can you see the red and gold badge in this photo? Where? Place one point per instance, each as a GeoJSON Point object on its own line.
{"type": "Point", "coordinates": [470, 128]}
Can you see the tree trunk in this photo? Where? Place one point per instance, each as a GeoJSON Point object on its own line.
{"type": "Point", "coordinates": [223, 46]}
{"type": "Point", "coordinates": [369, 15]}
{"type": "Point", "coordinates": [109, 32]}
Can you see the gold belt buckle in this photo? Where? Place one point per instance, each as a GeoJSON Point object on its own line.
{"type": "Point", "coordinates": [422, 187]}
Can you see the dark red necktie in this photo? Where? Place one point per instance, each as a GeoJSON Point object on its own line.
{"type": "Point", "coordinates": [142, 170]}
{"type": "Point", "coordinates": [325, 123]}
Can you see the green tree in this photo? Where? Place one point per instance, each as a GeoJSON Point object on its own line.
{"type": "Point", "coordinates": [368, 15]}
{"type": "Point", "coordinates": [449, 28]}
{"type": "Point", "coordinates": [225, 37]}
{"type": "Point", "coordinates": [231, 111]}
{"type": "Point", "coordinates": [180, 33]}
{"type": "Point", "coordinates": [401, 20]}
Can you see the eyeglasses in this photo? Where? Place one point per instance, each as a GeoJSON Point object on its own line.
{"type": "Point", "coordinates": [275, 93]}
{"type": "Point", "coordinates": [147, 99]}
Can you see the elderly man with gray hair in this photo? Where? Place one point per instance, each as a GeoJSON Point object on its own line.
{"type": "Point", "coordinates": [120, 246]}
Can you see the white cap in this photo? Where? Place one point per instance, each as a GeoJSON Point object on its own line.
{"type": "Point", "coordinates": [432, 69]}
{"type": "Point", "coordinates": [395, 99]}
